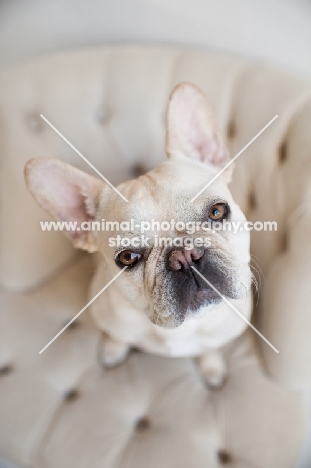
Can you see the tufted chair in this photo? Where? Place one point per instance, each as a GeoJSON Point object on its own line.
{"type": "Point", "coordinates": [61, 409]}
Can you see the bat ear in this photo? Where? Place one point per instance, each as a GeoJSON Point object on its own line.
{"type": "Point", "coordinates": [66, 194]}
{"type": "Point", "coordinates": [192, 129]}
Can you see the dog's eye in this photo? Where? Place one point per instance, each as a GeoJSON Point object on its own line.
{"type": "Point", "coordinates": [129, 258]}
{"type": "Point", "coordinates": [218, 212]}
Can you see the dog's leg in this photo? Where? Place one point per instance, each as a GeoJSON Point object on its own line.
{"type": "Point", "coordinates": [213, 368]}
{"type": "Point", "coordinates": [112, 352]}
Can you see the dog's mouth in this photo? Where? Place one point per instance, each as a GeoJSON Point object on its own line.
{"type": "Point", "coordinates": [201, 298]}
{"type": "Point", "coordinates": [186, 292]}
{"type": "Point", "coordinates": [203, 293]}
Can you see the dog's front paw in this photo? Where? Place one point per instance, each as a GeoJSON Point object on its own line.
{"type": "Point", "coordinates": [113, 352]}
{"type": "Point", "coordinates": [213, 369]}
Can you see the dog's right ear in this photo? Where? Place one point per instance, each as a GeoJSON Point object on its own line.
{"type": "Point", "coordinates": [66, 194]}
{"type": "Point", "coordinates": [192, 130]}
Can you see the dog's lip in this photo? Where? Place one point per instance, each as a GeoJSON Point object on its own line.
{"type": "Point", "coordinates": [200, 283]}
{"type": "Point", "coordinates": [207, 293]}
{"type": "Point", "coordinates": [203, 292]}
{"type": "Point", "coordinates": [167, 321]}
{"type": "Point", "coordinates": [204, 296]}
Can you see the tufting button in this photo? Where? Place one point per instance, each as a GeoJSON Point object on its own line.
{"type": "Point", "coordinates": [71, 395]}
{"type": "Point", "coordinates": [139, 169]}
{"type": "Point", "coordinates": [283, 153]}
{"type": "Point", "coordinates": [252, 200]}
{"type": "Point", "coordinates": [102, 115]}
{"type": "Point", "coordinates": [223, 457]}
{"type": "Point", "coordinates": [5, 369]}
{"type": "Point", "coordinates": [73, 326]}
{"type": "Point", "coordinates": [34, 122]}
{"type": "Point", "coordinates": [142, 424]}
{"type": "Point", "coordinates": [284, 241]}
{"type": "Point", "coordinates": [231, 129]}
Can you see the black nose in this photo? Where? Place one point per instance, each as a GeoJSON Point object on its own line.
{"type": "Point", "coordinates": [183, 258]}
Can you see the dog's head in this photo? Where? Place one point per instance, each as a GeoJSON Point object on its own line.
{"type": "Point", "coordinates": [165, 235]}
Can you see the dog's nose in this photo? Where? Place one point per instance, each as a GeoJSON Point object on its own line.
{"type": "Point", "coordinates": [181, 259]}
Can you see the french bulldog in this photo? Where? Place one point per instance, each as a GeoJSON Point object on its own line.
{"type": "Point", "coordinates": [161, 302]}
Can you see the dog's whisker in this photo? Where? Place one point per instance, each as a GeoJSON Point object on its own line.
{"type": "Point", "coordinates": [256, 293]}
{"type": "Point", "coordinates": [258, 265]}
{"type": "Point", "coordinates": [257, 286]}
{"type": "Point", "coordinates": [256, 282]}
{"type": "Point", "coordinates": [256, 258]}
{"type": "Point", "coordinates": [258, 277]}
{"type": "Point", "coordinates": [246, 293]}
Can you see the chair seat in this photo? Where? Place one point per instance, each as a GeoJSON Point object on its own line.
{"type": "Point", "coordinates": [61, 409]}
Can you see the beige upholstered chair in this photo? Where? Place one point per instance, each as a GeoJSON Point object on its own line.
{"type": "Point", "coordinates": [61, 409]}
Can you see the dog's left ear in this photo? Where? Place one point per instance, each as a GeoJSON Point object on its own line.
{"type": "Point", "coordinates": [192, 128]}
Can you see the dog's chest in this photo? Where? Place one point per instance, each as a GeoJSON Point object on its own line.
{"type": "Point", "coordinates": [194, 337]}
{"type": "Point", "coordinates": [182, 342]}
{"type": "Point", "coordinates": [212, 329]}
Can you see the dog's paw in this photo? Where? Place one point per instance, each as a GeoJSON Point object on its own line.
{"type": "Point", "coordinates": [213, 369]}
{"type": "Point", "coordinates": [112, 352]}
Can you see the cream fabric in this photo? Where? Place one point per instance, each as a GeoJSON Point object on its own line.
{"type": "Point", "coordinates": [110, 103]}
{"type": "Point", "coordinates": [62, 410]}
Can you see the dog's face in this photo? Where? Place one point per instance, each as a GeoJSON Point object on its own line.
{"type": "Point", "coordinates": [161, 234]}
